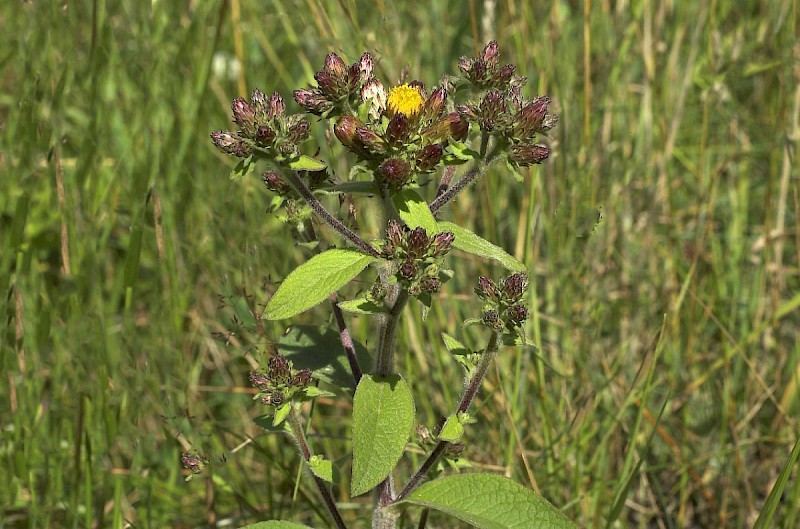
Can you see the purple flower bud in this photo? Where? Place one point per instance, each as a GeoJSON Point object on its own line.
{"type": "Point", "coordinates": [276, 398]}
{"type": "Point", "coordinates": [493, 105]}
{"type": "Point", "coordinates": [429, 157]}
{"type": "Point", "coordinates": [417, 243]}
{"type": "Point", "coordinates": [276, 183]}
{"type": "Point", "coordinates": [329, 84]}
{"type": "Point", "coordinates": [525, 155]}
{"type": "Point", "coordinates": [502, 77]}
{"type": "Point", "coordinates": [468, 111]}
{"type": "Point", "coordinates": [275, 106]}
{"type": "Point", "coordinates": [479, 74]}
{"type": "Point", "coordinates": [487, 289]}
{"type": "Point", "coordinates": [312, 101]}
{"type": "Point", "coordinates": [465, 64]}
{"type": "Point", "coordinates": [193, 462]}
{"type": "Point", "coordinates": [459, 128]}
{"type": "Point", "coordinates": [514, 286]}
{"type": "Point", "coordinates": [301, 379]}
{"type": "Point", "coordinates": [450, 126]}
{"type": "Point", "coordinates": [335, 66]}
{"type": "Point", "coordinates": [230, 143]}
{"type": "Point", "coordinates": [370, 141]}
{"type": "Point", "coordinates": [517, 314]}
{"type": "Point", "coordinates": [397, 129]}
{"type": "Point", "coordinates": [394, 233]}
{"type": "Point", "coordinates": [374, 93]}
{"type": "Point", "coordinates": [434, 105]}
{"type": "Point", "coordinates": [528, 120]}
{"type": "Point", "coordinates": [490, 53]}
{"type": "Point", "coordinates": [298, 130]}
{"type": "Point", "coordinates": [345, 130]}
{"type": "Point", "coordinates": [408, 270]}
{"type": "Point", "coordinates": [259, 380]}
{"type": "Point", "coordinates": [244, 115]}
{"type": "Point", "coordinates": [492, 320]}
{"type": "Point", "coordinates": [441, 243]}
{"type": "Point", "coordinates": [279, 368]}
{"type": "Point", "coordinates": [395, 172]}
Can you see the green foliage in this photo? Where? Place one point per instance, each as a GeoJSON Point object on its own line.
{"type": "Point", "coordinates": [678, 120]}
{"type": "Point", "coordinates": [414, 211]}
{"type": "Point", "coordinates": [314, 281]}
{"type": "Point", "coordinates": [383, 415]}
{"type": "Point", "coordinates": [487, 501]}
{"type": "Point", "coordinates": [472, 243]}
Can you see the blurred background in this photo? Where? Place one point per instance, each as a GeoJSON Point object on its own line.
{"type": "Point", "coordinates": [662, 239]}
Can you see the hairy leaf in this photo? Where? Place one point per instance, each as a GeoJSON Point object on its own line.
{"type": "Point", "coordinates": [470, 242]}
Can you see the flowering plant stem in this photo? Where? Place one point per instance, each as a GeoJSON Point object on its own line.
{"type": "Point", "coordinates": [466, 400]}
{"type": "Point", "coordinates": [296, 424]}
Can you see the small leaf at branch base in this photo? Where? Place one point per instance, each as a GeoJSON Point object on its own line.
{"type": "Point", "coordinates": [243, 168]}
{"type": "Point", "coordinates": [452, 429]}
{"type": "Point", "coordinates": [362, 306]}
{"type": "Point", "coordinates": [313, 281]}
{"type": "Point", "coordinates": [322, 468]}
{"type": "Point", "coordinates": [383, 415]}
{"type": "Point", "coordinates": [488, 501]}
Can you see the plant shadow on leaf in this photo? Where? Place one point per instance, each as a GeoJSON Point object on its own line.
{"type": "Point", "coordinates": [320, 350]}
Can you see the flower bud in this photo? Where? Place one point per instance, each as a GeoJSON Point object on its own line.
{"type": "Point", "coordinates": [492, 320]}
{"type": "Point", "coordinates": [459, 128]}
{"type": "Point", "coordinates": [329, 84]}
{"type": "Point", "coordinates": [502, 77]}
{"type": "Point", "coordinates": [345, 130]}
{"type": "Point", "coordinates": [395, 172]}
{"type": "Point", "coordinates": [528, 120]}
{"type": "Point", "coordinates": [487, 289]}
{"type": "Point", "coordinates": [517, 314]}
{"type": "Point", "coordinates": [244, 115]}
{"type": "Point", "coordinates": [397, 129]}
{"type": "Point", "coordinates": [301, 379]}
{"type": "Point", "coordinates": [429, 157]}
{"type": "Point", "coordinates": [394, 233]}
{"type": "Point", "coordinates": [434, 105]}
{"type": "Point", "coordinates": [451, 125]}
{"type": "Point", "coordinates": [298, 129]}
{"type": "Point", "coordinates": [193, 462]}
{"type": "Point", "coordinates": [525, 155]}
{"type": "Point", "coordinates": [335, 66]}
{"type": "Point", "coordinates": [441, 243]}
{"type": "Point", "coordinates": [492, 106]}
{"type": "Point", "coordinates": [276, 183]}
{"type": "Point", "coordinates": [465, 64]}
{"type": "Point", "coordinates": [417, 243]}
{"type": "Point", "coordinates": [259, 380]}
{"type": "Point", "coordinates": [370, 141]}
{"type": "Point", "coordinates": [230, 143]}
{"type": "Point", "coordinates": [275, 106]}
{"type": "Point", "coordinates": [514, 286]}
{"type": "Point", "coordinates": [258, 100]}
{"type": "Point", "coordinates": [279, 368]}
{"type": "Point", "coordinates": [312, 101]}
{"type": "Point", "coordinates": [407, 270]}
{"type": "Point", "coordinates": [548, 122]}
{"type": "Point", "coordinates": [490, 53]}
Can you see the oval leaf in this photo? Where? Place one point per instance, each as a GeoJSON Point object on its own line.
{"type": "Point", "coordinates": [414, 211]}
{"type": "Point", "coordinates": [315, 280]}
{"type": "Point", "coordinates": [275, 524]}
{"type": "Point", "coordinates": [362, 306]}
{"type": "Point", "coordinates": [383, 415]}
{"type": "Point", "coordinates": [469, 242]}
{"type": "Point", "coordinates": [488, 501]}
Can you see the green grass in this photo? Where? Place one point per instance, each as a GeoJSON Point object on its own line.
{"type": "Point", "coordinates": [665, 392]}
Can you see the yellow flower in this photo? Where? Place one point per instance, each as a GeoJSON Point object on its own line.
{"type": "Point", "coordinates": [405, 99]}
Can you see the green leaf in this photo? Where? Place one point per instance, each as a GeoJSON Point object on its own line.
{"type": "Point", "coordinates": [315, 280]}
{"type": "Point", "coordinates": [265, 422]}
{"type": "Point", "coordinates": [461, 151]}
{"type": "Point", "coordinates": [322, 468]}
{"type": "Point", "coordinates": [320, 350]}
{"type": "Point", "coordinates": [514, 170]}
{"type": "Point", "coordinates": [243, 168]}
{"type": "Point", "coordinates": [276, 524]}
{"type": "Point", "coordinates": [415, 211]}
{"type": "Point", "coordinates": [362, 305]}
{"type": "Point", "coordinates": [488, 501]}
{"type": "Point", "coordinates": [383, 415]}
{"type": "Point", "coordinates": [281, 413]}
{"type": "Point", "coordinates": [775, 497]}
{"type": "Point", "coordinates": [306, 163]}
{"type": "Point", "coordinates": [469, 242]}
{"type": "Point", "coordinates": [454, 346]}
{"type": "Point", "coordinates": [452, 429]}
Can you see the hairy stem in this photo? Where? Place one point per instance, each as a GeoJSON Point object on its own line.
{"type": "Point", "coordinates": [297, 183]}
{"type": "Point", "coordinates": [464, 182]}
{"type": "Point", "coordinates": [466, 400]}
{"type": "Point", "coordinates": [305, 451]}
{"type": "Point", "coordinates": [347, 340]}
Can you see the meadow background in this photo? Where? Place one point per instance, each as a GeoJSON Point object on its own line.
{"type": "Point", "coordinates": [662, 239]}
